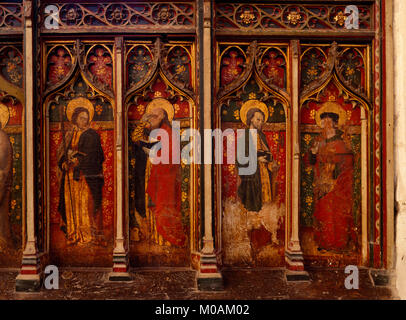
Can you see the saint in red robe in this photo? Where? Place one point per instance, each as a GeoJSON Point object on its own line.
{"type": "Point", "coordinates": [333, 193]}
{"type": "Point", "coordinates": [164, 191]}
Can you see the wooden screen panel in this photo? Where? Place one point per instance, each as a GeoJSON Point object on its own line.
{"type": "Point", "coordinates": [334, 159]}
{"type": "Point", "coordinates": [253, 207]}
{"type": "Point", "coordinates": [81, 148]}
{"type": "Point", "coordinates": [162, 197]}
{"type": "Point", "coordinates": [11, 155]}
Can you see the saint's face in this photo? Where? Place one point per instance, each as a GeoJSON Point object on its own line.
{"type": "Point", "coordinates": [155, 118]}
{"type": "Point", "coordinates": [327, 124]}
{"type": "Point", "coordinates": [82, 120]}
{"type": "Point", "coordinates": [257, 121]}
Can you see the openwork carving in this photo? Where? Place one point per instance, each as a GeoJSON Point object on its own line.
{"type": "Point", "coordinates": [288, 16]}
{"type": "Point", "coordinates": [327, 68]}
{"type": "Point", "coordinates": [11, 15]}
{"type": "Point", "coordinates": [158, 88]}
{"type": "Point", "coordinates": [142, 61]}
{"type": "Point", "coordinates": [350, 65]}
{"type": "Point", "coordinates": [173, 60]}
{"type": "Point", "coordinates": [94, 60]}
{"type": "Point", "coordinates": [11, 65]}
{"type": "Point", "coordinates": [238, 62]}
{"type": "Point", "coordinates": [61, 62]}
{"type": "Point", "coordinates": [176, 65]}
{"type": "Point", "coordinates": [235, 70]}
{"type": "Point", "coordinates": [347, 63]}
{"type": "Point", "coordinates": [96, 63]}
{"type": "Point", "coordinates": [271, 66]}
{"type": "Point", "coordinates": [76, 88]}
{"type": "Point", "coordinates": [139, 15]}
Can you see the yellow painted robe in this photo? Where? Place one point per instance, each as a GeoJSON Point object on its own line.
{"type": "Point", "coordinates": [79, 204]}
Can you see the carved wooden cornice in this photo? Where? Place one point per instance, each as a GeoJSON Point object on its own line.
{"type": "Point", "coordinates": [283, 17]}
{"type": "Point", "coordinates": [127, 17]}
{"type": "Point", "coordinates": [12, 17]}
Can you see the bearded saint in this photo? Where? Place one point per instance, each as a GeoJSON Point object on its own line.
{"type": "Point", "coordinates": [162, 185]}
{"type": "Point", "coordinates": [333, 163]}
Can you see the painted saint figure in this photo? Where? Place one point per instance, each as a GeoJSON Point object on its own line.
{"type": "Point", "coordinates": [260, 187]}
{"type": "Point", "coordinates": [6, 175]}
{"type": "Point", "coordinates": [80, 159]}
{"type": "Point", "coordinates": [333, 163]}
{"type": "Point", "coordinates": [162, 181]}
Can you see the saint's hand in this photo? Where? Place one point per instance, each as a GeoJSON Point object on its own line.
{"type": "Point", "coordinates": [262, 159]}
{"type": "Point", "coordinates": [273, 166]}
{"type": "Point", "coordinates": [146, 150]}
{"type": "Point", "coordinates": [315, 147]}
{"type": "Point", "coordinates": [65, 166]}
{"type": "Point", "coordinates": [138, 133]}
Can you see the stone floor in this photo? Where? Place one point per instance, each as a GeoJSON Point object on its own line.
{"type": "Point", "coordinates": [181, 284]}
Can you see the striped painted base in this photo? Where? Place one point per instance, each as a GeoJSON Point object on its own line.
{"type": "Point", "coordinates": [120, 268]}
{"type": "Point", "coordinates": [209, 277]}
{"type": "Point", "coordinates": [30, 277]}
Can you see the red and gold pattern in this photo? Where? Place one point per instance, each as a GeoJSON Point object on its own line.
{"type": "Point", "coordinates": [107, 141]}
{"type": "Point", "coordinates": [275, 68]}
{"type": "Point", "coordinates": [232, 66]}
{"type": "Point", "coordinates": [331, 93]}
{"type": "Point", "coordinates": [234, 16]}
{"type": "Point", "coordinates": [100, 66]}
{"type": "Point", "coordinates": [59, 64]}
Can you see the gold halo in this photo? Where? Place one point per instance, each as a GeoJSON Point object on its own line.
{"type": "Point", "coordinates": [4, 115]}
{"type": "Point", "coordinates": [250, 104]}
{"type": "Point", "coordinates": [163, 104]}
{"type": "Point", "coordinates": [332, 107]}
{"type": "Point", "coordinates": [79, 102]}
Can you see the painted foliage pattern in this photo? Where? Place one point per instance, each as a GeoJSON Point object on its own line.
{"type": "Point", "coordinates": [11, 246]}
{"type": "Point", "coordinates": [59, 64]}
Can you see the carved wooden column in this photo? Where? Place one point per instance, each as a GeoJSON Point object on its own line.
{"type": "Point", "coordinates": [293, 254]}
{"type": "Point", "coordinates": [364, 185]}
{"type": "Point", "coordinates": [29, 278]}
{"type": "Point", "coordinates": [120, 254]}
{"type": "Point", "coordinates": [208, 278]}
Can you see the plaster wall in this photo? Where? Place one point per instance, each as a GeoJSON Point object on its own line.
{"type": "Point", "coordinates": [400, 143]}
